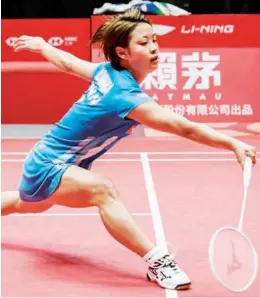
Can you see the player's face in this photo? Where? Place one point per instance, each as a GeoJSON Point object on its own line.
{"type": "Point", "coordinates": [143, 49]}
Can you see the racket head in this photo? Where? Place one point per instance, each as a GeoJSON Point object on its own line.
{"type": "Point", "coordinates": [233, 259]}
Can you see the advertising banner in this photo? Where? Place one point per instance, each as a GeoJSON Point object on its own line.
{"type": "Point", "coordinates": [209, 66]}
{"type": "Point", "coordinates": [33, 90]}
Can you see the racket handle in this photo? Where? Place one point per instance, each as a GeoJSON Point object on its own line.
{"type": "Point", "coordinates": [247, 171]}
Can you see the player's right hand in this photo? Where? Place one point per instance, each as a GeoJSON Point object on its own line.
{"type": "Point", "coordinates": [29, 43]}
{"type": "Point", "coordinates": [243, 150]}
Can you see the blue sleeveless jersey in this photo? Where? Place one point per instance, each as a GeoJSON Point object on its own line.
{"type": "Point", "coordinates": [95, 123]}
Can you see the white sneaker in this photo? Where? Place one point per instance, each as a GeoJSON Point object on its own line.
{"type": "Point", "coordinates": [167, 274]}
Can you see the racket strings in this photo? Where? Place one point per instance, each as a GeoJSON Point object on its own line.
{"type": "Point", "coordinates": [233, 259]}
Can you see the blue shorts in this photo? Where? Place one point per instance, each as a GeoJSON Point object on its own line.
{"type": "Point", "coordinates": [41, 177]}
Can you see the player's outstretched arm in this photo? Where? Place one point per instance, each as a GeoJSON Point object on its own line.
{"type": "Point", "coordinates": [64, 60]}
{"type": "Point", "coordinates": [159, 118]}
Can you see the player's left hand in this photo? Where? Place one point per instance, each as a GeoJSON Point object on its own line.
{"type": "Point", "coordinates": [243, 150]}
{"type": "Point", "coordinates": [29, 43]}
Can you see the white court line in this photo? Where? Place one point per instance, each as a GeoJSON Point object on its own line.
{"type": "Point", "coordinates": [69, 214]}
{"type": "Point", "coordinates": [98, 160]}
{"type": "Point", "coordinates": [145, 297]}
{"type": "Point", "coordinates": [152, 297]}
{"type": "Point", "coordinates": [150, 159]}
{"type": "Point", "coordinates": [155, 211]}
{"type": "Point", "coordinates": [192, 159]}
{"type": "Point", "coordinates": [152, 153]}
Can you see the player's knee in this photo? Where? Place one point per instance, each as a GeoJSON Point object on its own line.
{"type": "Point", "coordinates": [104, 192]}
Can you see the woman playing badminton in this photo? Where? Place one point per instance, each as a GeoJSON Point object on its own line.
{"type": "Point", "coordinates": [57, 169]}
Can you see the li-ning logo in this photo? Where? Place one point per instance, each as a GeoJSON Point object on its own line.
{"type": "Point", "coordinates": [193, 29]}
{"type": "Point", "coordinates": [207, 29]}
{"type": "Point", "coordinates": [162, 29]}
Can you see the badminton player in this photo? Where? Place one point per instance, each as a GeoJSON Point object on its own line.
{"type": "Point", "coordinates": [57, 169]}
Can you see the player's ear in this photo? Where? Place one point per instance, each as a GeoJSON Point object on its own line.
{"type": "Point", "coordinates": [121, 52]}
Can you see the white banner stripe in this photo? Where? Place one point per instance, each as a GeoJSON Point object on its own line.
{"type": "Point", "coordinates": [28, 66]}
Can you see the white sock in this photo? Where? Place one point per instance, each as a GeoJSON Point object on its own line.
{"type": "Point", "coordinates": [155, 254]}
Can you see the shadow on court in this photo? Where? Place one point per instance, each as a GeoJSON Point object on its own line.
{"type": "Point", "coordinates": [76, 269]}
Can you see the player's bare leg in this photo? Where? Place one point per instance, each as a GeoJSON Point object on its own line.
{"type": "Point", "coordinates": [12, 203]}
{"type": "Point", "coordinates": [82, 188]}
